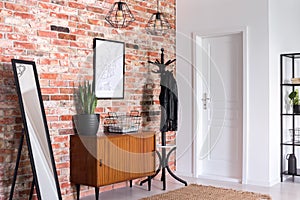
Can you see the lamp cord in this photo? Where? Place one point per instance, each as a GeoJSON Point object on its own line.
{"type": "Point", "coordinates": [157, 5]}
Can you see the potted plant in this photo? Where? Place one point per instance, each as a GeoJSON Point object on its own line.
{"type": "Point", "coordinates": [294, 100]}
{"type": "Point", "coordinates": [86, 121]}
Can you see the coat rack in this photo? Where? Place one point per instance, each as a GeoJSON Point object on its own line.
{"type": "Point", "coordinates": [163, 157]}
{"type": "Point", "coordinates": [161, 65]}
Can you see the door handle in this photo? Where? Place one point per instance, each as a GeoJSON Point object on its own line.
{"type": "Point", "coordinates": [204, 100]}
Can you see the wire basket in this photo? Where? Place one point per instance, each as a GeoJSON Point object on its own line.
{"type": "Point", "coordinates": [122, 123]}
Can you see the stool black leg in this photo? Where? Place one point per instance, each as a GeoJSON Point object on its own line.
{"type": "Point", "coordinates": [130, 183]}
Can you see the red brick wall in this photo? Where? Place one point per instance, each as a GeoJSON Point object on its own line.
{"type": "Point", "coordinates": [35, 30]}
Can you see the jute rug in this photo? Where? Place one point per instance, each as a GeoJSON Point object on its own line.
{"type": "Point", "coordinates": [201, 192]}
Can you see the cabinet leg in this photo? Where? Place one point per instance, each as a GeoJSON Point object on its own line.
{"type": "Point", "coordinates": [130, 183]}
{"type": "Point", "coordinates": [149, 183]}
{"type": "Point", "coordinates": [97, 193]}
{"type": "Point", "coordinates": [78, 191]}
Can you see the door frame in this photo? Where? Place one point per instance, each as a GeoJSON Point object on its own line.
{"type": "Point", "coordinates": [245, 134]}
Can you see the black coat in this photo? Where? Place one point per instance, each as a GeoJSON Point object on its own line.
{"type": "Point", "coordinates": [168, 99]}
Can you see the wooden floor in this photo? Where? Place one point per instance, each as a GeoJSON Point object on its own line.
{"type": "Point", "coordinates": [287, 190]}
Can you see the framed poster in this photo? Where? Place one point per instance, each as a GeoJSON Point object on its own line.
{"type": "Point", "coordinates": [109, 62]}
{"type": "Point", "coordinates": [36, 130]}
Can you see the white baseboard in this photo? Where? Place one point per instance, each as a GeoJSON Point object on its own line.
{"type": "Point", "coordinates": [179, 173]}
{"type": "Point", "coordinates": [274, 181]}
{"type": "Point", "coordinates": [263, 183]}
{"type": "Point", "coordinates": [219, 178]}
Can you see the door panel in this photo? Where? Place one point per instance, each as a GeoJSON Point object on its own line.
{"type": "Point", "coordinates": [220, 64]}
{"type": "Point", "coordinates": [136, 155]}
{"type": "Point", "coordinates": [82, 158]}
{"type": "Point", "coordinates": [149, 154]}
{"type": "Point", "coordinates": [103, 162]}
{"type": "Point", "coordinates": [142, 156]}
{"type": "Point", "coordinates": [119, 155]}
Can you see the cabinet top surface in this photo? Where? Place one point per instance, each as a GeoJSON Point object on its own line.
{"type": "Point", "coordinates": [135, 134]}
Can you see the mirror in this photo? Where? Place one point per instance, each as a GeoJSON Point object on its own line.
{"type": "Point", "coordinates": [36, 130]}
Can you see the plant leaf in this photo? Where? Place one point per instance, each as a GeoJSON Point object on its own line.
{"type": "Point", "coordinates": [87, 100]}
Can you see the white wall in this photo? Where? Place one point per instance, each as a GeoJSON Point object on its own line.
{"type": "Point", "coordinates": [284, 38]}
{"type": "Point", "coordinates": [204, 16]}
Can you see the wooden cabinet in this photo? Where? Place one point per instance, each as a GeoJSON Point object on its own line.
{"type": "Point", "coordinates": [106, 159]}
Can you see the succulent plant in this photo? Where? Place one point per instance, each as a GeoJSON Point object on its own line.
{"type": "Point", "coordinates": [86, 98]}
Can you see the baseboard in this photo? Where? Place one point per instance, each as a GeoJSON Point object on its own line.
{"type": "Point", "coordinates": [219, 178]}
{"type": "Point", "coordinates": [179, 173]}
{"type": "Point", "coordinates": [274, 181]}
{"type": "Point", "coordinates": [262, 183]}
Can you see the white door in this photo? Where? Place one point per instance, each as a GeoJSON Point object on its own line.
{"type": "Point", "coordinates": [219, 118]}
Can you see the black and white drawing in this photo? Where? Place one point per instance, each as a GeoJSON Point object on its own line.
{"type": "Point", "coordinates": [109, 68]}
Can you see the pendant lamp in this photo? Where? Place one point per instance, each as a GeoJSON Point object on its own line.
{"type": "Point", "coordinates": [119, 16]}
{"type": "Point", "coordinates": [157, 24]}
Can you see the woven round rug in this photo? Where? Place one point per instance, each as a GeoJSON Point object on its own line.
{"type": "Point", "coordinates": [201, 192]}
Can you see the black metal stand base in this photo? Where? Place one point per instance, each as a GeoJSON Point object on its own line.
{"type": "Point", "coordinates": [163, 165]}
{"type": "Point", "coordinates": [163, 169]}
{"type": "Point", "coordinates": [16, 171]}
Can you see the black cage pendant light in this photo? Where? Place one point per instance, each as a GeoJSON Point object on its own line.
{"type": "Point", "coordinates": [157, 24]}
{"type": "Point", "coordinates": [119, 15]}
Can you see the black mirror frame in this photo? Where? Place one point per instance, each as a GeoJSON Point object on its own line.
{"type": "Point", "coordinates": [15, 62]}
